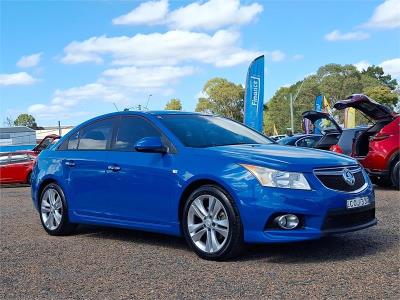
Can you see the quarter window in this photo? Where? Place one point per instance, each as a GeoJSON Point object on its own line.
{"type": "Point", "coordinates": [95, 136]}
{"type": "Point", "coordinates": [130, 131]}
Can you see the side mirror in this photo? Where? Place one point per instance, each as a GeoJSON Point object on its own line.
{"type": "Point", "coordinates": [151, 144]}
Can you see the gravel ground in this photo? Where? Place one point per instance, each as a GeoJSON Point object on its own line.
{"type": "Point", "coordinates": [99, 263]}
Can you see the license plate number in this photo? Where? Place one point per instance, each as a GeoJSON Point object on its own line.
{"type": "Point", "coordinates": [358, 202]}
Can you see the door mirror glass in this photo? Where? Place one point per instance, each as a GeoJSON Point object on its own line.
{"type": "Point", "coordinates": [152, 144]}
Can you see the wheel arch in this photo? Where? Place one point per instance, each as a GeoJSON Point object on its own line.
{"type": "Point", "coordinates": [195, 184]}
{"type": "Point", "coordinates": [41, 187]}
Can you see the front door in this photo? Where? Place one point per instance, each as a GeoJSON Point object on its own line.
{"type": "Point", "coordinates": [143, 183]}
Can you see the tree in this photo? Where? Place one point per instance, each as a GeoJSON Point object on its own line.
{"type": "Point", "coordinates": [335, 82]}
{"type": "Point", "coordinates": [378, 73]}
{"type": "Point", "coordinates": [173, 104]}
{"type": "Point", "coordinates": [222, 97]}
{"type": "Point", "coordinates": [382, 94]}
{"type": "Point", "coordinates": [9, 122]}
{"type": "Point", "coordinates": [25, 120]}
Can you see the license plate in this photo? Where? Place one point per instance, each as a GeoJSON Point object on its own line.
{"type": "Point", "coordinates": [357, 202]}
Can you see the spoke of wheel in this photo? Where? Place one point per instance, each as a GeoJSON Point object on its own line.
{"type": "Point", "coordinates": [216, 208]}
{"type": "Point", "coordinates": [208, 242]}
{"type": "Point", "coordinates": [45, 209]}
{"type": "Point", "coordinates": [49, 221]}
{"type": "Point", "coordinates": [57, 217]}
{"type": "Point", "coordinates": [222, 231]}
{"type": "Point", "coordinates": [199, 208]}
{"type": "Point", "coordinates": [198, 235]}
{"type": "Point", "coordinates": [51, 196]}
{"type": "Point", "coordinates": [211, 204]}
{"type": "Point", "coordinates": [194, 227]}
{"type": "Point", "coordinates": [58, 203]}
{"type": "Point", "coordinates": [45, 203]}
{"type": "Point", "coordinates": [214, 242]}
{"type": "Point", "coordinates": [222, 223]}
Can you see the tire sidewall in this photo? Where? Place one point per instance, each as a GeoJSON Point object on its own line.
{"type": "Point", "coordinates": [395, 174]}
{"type": "Point", "coordinates": [235, 226]}
{"type": "Point", "coordinates": [64, 219]}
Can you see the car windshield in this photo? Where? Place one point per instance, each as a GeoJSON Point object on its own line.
{"type": "Point", "coordinates": [325, 125]}
{"type": "Point", "coordinates": [290, 140]}
{"type": "Point", "coordinates": [201, 131]}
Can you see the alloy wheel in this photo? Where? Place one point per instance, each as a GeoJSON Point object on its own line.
{"type": "Point", "coordinates": [208, 223]}
{"type": "Point", "coordinates": [51, 209]}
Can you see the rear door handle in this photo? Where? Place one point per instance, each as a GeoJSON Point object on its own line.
{"type": "Point", "coordinates": [114, 168]}
{"type": "Point", "coordinates": [70, 163]}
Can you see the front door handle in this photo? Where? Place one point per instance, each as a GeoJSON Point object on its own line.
{"type": "Point", "coordinates": [70, 163]}
{"type": "Point", "coordinates": [114, 168]}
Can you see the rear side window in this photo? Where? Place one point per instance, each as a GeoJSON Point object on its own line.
{"type": "Point", "coordinates": [17, 158]}
{"type": "Point", "coordinates": [73, 141]}
{"type": "Point", "coordinates": [96, 136]}
{"type": "Point", "coordinates": [130, 131]}
{"type": "Point", "coordinates": [4, 159]}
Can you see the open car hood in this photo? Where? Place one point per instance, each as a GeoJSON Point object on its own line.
{"type": "Point", "coordinates": [48, 139]}
{"type": "Point", "coordinates": [367, 106]}
{"type": "Point", "coordinates": [314, 116]}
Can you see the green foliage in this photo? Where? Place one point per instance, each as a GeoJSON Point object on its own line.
{"type": "Point", "coordinates": [378, 73]}
{"type": "Point", "coordinates": [25, 120]}
{"type": "Point", "coordinates": [222, 97]}
{"type": "Point", "coordinates": [335, 82]}
{"type": "Point", "coordinates": [173, 104]}
{"type": "Point", "coordinates": [382, 94]}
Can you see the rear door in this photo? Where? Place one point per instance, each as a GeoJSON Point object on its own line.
{"type": "Point", "coordinates": [85, 163]}
{"type": "Point", "coordinates": [5, 171]}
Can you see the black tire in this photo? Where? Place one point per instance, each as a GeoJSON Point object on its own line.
{"type": "Point", "coordinates": [29, 178]}
{"type": "Point", "coordinates": [383, 181]}
{"type": "Point", "coordinates": [233, 244]}
{"type": "Point", "coordinates": [395, 175]}
{"type": "Point", "coordinates": [64, 227]}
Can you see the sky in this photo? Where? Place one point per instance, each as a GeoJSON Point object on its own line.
{"type": "Point", "coordinates": [69, 61]}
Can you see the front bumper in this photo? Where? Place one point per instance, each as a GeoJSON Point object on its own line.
{"type": "Point", "coordinates": [321, 211]}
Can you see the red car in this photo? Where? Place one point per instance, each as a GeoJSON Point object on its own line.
{"type": "Point", "coordinates": [377, 147]}
{"type": "Point", "coordinates": [16, 167]}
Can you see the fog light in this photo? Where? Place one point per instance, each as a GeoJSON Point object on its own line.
{"type": "Point", "coordinates": [288, 221]}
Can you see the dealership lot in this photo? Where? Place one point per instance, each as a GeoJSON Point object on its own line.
{"type": "Point", "coordinates": [114, 263]}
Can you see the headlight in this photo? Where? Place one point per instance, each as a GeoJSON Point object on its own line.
{"type": "Point", "coordinates": [275, 178]}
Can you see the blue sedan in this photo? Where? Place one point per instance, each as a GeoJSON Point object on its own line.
{"type": "Point", "coordinates": [210, 179]}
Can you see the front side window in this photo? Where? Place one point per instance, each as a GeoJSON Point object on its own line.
{"type": "Point", "coordinates": [96, 136]}
{"type": "Point", "coordinates": [208, 131]}
{"type": "Point", "coordinates": [130, 131]}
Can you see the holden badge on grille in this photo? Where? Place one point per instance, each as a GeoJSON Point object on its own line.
{"type": "Point", "coordinates": [348, 177]}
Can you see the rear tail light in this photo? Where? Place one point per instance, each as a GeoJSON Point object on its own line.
{"type": "Point", "coordinates": [336, 148]}
{"type": "Point", "coordinates": [379, 137]}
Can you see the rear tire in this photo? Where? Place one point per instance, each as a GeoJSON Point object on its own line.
{"type": "Point", "coordinates": [211, 224]}
{"type": "Point", "coordinates": [53, 211]}
{"type": "Point", "coordinates": [395, 175]}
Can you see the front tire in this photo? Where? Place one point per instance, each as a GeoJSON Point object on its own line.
{"type": "Point", "coordinates": [53, 211]}
{"type": "Point", "coordinates": [211, 224]}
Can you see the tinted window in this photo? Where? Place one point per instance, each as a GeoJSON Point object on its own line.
{"type": "Point", "coordinates": [4, 159]}
{"type": "Point", "coordinates": [16, 158]}
{"type": "Point", "coordinates": [130, 131]}
{"type": "Point", "coordinates": [96, 136]}
{"type": "Point", "coordinates": [290, 140]}
{"type": "Point", "coordinates": [73, 141]}
{"type": "Point", "coordinates": [208, 131]}
{"type": "Point", "coordinates": [308, 142]}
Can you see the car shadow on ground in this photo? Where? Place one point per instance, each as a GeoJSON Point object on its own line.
{"type": "Point", "coordinates": [332, 248]}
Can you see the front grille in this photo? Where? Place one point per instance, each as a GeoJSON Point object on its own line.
{"type": "Point", "coordinates": [344, 218]}
{"type": "Point", "coordinates": [332, 178]}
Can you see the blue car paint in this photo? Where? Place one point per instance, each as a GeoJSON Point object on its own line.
{"type": "Point", "coordinates": [147, 193]}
